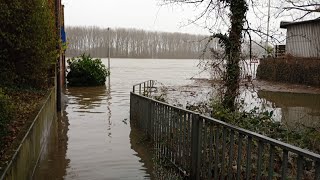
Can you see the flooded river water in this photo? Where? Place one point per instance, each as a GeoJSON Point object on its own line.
{"type": "Point", "coordinates": [93, 138]}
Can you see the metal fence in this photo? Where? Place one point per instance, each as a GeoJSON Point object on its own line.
{"type": "Point", "coordinates": [205, 148]}
{"type": "Point", "coordinates": [26, 157]}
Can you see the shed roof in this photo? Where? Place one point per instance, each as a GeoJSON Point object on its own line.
{"type": "Point", "coordinates": [285, 24]}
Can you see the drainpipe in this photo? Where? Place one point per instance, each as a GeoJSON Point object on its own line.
{"type": "Point", "coordinates": [58, 77]}
{"type": "Point", "coordinates": [63, 68]}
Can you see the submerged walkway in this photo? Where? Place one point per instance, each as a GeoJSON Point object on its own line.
{"type": "Point", "coordinates": [93, 139]}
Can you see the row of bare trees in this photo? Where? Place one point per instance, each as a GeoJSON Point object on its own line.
{"type": "Point", "coordinates": [133, 43]}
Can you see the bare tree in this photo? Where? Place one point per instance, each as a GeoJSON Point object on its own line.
{"type": "Point", "coordinates": [300, 9]}
{"type": "Point", "coordinates": [132, 43]}
{"type": "Point", "coordinates": [233, 15]}
{"type": "Point", "coordinates": [231, 41]}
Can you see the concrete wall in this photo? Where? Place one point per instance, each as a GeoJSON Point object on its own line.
{"type": "Point", "coordinates": [27, 155]}
{"type": "Point", "coordinates": [303, 40]}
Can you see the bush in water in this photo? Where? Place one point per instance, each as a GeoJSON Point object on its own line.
{"type": "Point", "coordinates": [86, 71]}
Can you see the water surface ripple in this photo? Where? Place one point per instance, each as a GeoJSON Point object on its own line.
{"type": "Point", "coordinates": [92, 140]}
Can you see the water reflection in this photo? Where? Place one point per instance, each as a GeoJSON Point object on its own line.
{"type": "Point", "coordinates": [53, 162]}
{"type": "Point", "coordinates": [87, 99]}
{"type": "Point", "coordinates": [283, 99]}
{"type": "Point", "coordinates": [109, 106]}
{"type": "Point", "coordinates": [98, 145]}
{"type": "Point", "coordinates": [143, 148]}
{"type": "Point", "coordinates": [297, 108]}
{"type": "Point", "coordinates": [293, 109]}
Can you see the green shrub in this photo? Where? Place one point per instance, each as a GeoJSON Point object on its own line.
{"type": "Point", "coordinates": [86, 71]}
{"type": "Point", "coordinates": [6, 114]}
{"type": "Point", "coordinates": [28, 42]}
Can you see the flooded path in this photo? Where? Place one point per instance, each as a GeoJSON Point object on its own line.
{"type": "Point", "coordinates": [93, 139]}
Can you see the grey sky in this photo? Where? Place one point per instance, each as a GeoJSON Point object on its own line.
{"type": "Point", "coordinates": [149, 15]}
{"type": "Point", "coordinates": [141, 14]}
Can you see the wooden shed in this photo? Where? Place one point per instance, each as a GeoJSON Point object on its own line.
{"type": "Point", "coordinates": [303, 38]}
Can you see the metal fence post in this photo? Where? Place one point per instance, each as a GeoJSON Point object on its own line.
{"type": "Point", "coordinates": [131, 107]}
{"type": "Point", "coordinates": [148, 88]}
{"type": "Point", "coordinates": [317, 167]}
{"type": "Point", "coordinates": [149, 118]}
{"type": "Point", "coordinates": [195, 147]}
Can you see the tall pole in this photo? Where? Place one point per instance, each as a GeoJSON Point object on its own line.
{"type": "Point", "coordinates": [268, 27]}
{"type": "Point", "coordinates": [109, 50]}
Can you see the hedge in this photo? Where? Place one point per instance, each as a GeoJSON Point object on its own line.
{"type": "Point", "coordinates": [28, 42]}
{"type": "Point", "coordinates": [6, 114]}
{"type": "Point", "coordinates": [290, 70]}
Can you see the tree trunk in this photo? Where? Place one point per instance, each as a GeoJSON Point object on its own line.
{"type": "Point", "coordinates": [238, 10]}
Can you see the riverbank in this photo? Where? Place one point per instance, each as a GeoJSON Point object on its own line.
{"type": "Point", "coordinates": [265, 86]}
{"type": "Point", "coordinates": [285, 87]}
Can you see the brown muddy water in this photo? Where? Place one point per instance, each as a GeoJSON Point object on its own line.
{"type": "Point", "coordinates": [93, 138]}
{"type": "Point", "coordinates": [295, 110]}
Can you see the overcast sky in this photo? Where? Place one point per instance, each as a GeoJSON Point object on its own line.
{"type": "Point", "coordinates": [141, 14]}
{"type": "Point", "coordinates": [149, 15]}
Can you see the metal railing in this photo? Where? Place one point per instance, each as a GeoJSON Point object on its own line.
{"type": "Point", "coordinates": [26, 157]}
{"type": "Point", "coordinates": [205, 148]}
{"type": "Point", "coordinates": [144, 88]}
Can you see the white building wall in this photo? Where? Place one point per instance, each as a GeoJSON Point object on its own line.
{"type": "Point", "coordinates": [303, 40]}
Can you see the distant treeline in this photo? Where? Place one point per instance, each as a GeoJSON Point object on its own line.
{"type": "Point", "coordinates": [133, 43]}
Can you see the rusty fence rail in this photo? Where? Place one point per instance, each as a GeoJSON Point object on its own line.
{"type": "Point", "coordinates": [205, 148]}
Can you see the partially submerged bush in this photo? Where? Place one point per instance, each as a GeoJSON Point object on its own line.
{"type": "Point", "coordinates": [6, 113]}
{"type": "Point", "coordinates": [86, 71]}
